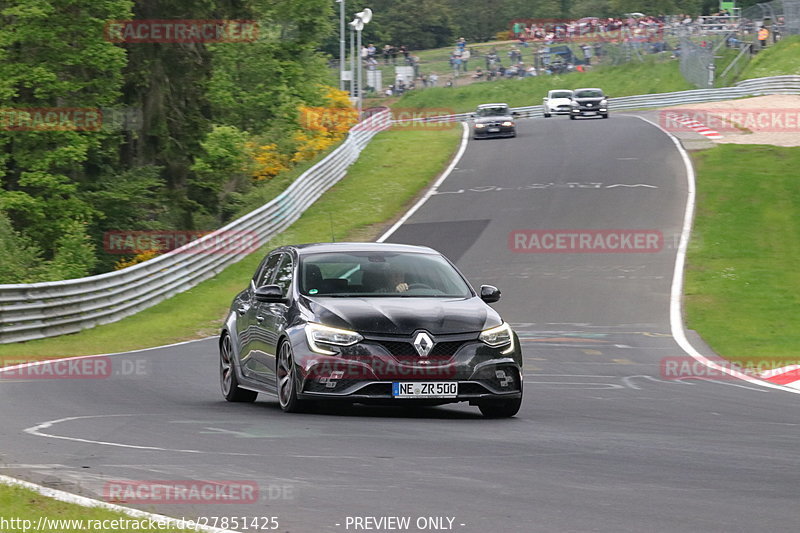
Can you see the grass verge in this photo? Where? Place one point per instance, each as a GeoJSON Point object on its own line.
{"type": "Point", "coordinates": [390, 172]}
{"type": "Point", "coordinates": [742, 281]}
{"type": "Point", "coordinates": [777, 60]}
{"type": "Point", "coordinates": [649, 76]}
{"type": "Point", "coordinates": [25, 508]}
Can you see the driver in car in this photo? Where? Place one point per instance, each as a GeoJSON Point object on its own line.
{"type": "Point", "coordinates": [397, 280]}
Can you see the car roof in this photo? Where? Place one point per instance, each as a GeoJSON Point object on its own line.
{"type": "Point", "coordinates": [318, 247]}
{"type": "Point", "coordinates": [492, 105]}
{"type": "Point", "coordinates": [588, 89]}
{"type": "Point", "coordinates": [560, 91]}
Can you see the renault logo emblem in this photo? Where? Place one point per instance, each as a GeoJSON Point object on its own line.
{"type": "Point", "coordinates": [423, 344]}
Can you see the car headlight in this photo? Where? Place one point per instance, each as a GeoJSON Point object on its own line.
{"type": "Point", "coordinates": [603, 103]}
{"type": "Point", "coordinates": [508, 123]}
{"type": "Point", "coordinates": [499, 336]}
{"type": "Point", "coordinates": [480, 125]}
{"type": "Point", "coordinates": [318, 334]}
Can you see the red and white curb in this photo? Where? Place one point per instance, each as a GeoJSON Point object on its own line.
{"type": "Point", "coordinates": [788, 376]}
{"type": "Point", "coordinates": [694, 125]}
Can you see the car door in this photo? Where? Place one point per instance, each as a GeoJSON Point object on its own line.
{"type": "Point", "coordinates": [254, 334]}
{"type": "Point", "coordinates": [271, 317]}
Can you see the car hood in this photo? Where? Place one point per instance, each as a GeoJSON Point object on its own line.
{"type": "Point", "coordinates": [499, 118]}
{"type": "Point", "coordinates": [403, 316]}
{"type": "Point", "coordinates": [583, 101]}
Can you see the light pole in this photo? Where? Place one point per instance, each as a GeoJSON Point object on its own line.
{"type": "Point", "coordinates": [342, 59]}
{"type": "Point", "coordinates": [362, 17]}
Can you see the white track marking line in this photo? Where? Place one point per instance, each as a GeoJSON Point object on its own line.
{"type": "Point", "coordinates": [67, 497]}
{"type": "Point", "coordinates": [676, 292]}
{"type": "Point", "coordinates": [432, 190]}
{"type": "Point", "coordinates": [37, 431]}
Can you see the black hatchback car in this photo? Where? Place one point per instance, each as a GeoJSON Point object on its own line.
{"type": "Point", "coordinates": [368, 323]}
{"type": "Point", "coordinates": [589, 103]}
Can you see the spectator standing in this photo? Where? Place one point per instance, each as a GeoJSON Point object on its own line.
{"type": "Point", "coordinates": [465, 55]}
{"type": "Point", "coordinates": [763, 35]}
{"type": "Point", "coordinates": [371, 50]}
{"type": "Point", "coordinates": [385, 52]}
{"type": "Point", "coordinates": [393, 53]}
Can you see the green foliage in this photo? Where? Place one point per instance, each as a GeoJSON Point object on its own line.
{"type": "Point", "coordinates": [780, 59]}
{"type": "Point", "coordinates": [19, 259]}
{"type": "Point", "coordinates": [74, 256]}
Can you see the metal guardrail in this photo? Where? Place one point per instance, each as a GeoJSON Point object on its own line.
{"type": "Point", "coordinates": [39, 310]}
{"type": "Point", "coordinates": [753, 87]}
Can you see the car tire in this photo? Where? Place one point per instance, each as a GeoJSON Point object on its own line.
{"type": "Point", "coordinates": [285, 374]}
{"type": "Point", "coordinates": [500, 408]}
{"type": "Point", "coordinates": [605, 116]}
{"type": "Point", "coordinates": [572, 117]}
{"type": "Point", "coordinates": [228, 382]}
{"type": "Point", "coordinates": [547, 115]}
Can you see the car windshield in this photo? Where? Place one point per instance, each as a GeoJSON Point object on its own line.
{"type": "Point", "coordinates": [561, 94]}
{"type": "Point", "coordinates": [380, 274]}
{"type": "Point", "coordinates": [498, 111]}
{"type": "Point", "coordinates": [589, 93]}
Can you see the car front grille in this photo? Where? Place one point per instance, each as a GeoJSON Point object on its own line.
{"type": "Point", "coordinates": [406, 349]}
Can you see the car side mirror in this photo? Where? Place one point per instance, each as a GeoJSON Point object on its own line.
{"type": "Point", "coordinates": [490, 293]}
{"type": "Point", "coordinates": [270, 294]}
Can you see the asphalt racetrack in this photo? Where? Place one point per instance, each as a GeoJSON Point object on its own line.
{"type": "Point", "coordinates": [605, 440]}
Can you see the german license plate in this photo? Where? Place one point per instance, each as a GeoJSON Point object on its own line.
{"type": "Point", "coordinates": [425, 389]}
{"type": "Point", "coordinates": [590, 112]}
{"type": "Point", "coordinates": [493, 130]}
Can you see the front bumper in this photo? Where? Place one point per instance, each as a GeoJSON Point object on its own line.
{"type": "Point", "coordinates": [367, 371]}
{"type": "Point", "coordinates": [589, 111]}
{"type": "Point", "coordinates": [501, 131]}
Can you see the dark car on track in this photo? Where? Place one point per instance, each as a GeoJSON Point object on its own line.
{"type": "Point", "coordinates": [368, 323]}
{"type": "Point", "coordinates": [493, 120]}
{"type": "Point", "coordinates": [589, 102]}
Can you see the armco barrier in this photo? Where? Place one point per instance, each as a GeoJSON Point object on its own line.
{"type": "Point", "coordinates": [38, 310]}
{"type": "Point", "coordinates": [754, 87]}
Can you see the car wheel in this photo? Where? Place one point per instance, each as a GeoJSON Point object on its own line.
{"type": "Point", "coordinates": [287, 382]}
{"type": "Point", "coordinates": [572, 117]}
{"type": "Point", "coordinates": [605, 116]}
{"type": "Point", "coordinates": [227, 374]}
{"type": "Point", "coordinates": [547, 115]}
{"type": "Point", "coordinates": [500, 408]}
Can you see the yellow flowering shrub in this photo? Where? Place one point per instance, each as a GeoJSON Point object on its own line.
{"type": "Point", "coordinates": [269, 161]}
{"type": "Point", "coordinates": [141, 257]}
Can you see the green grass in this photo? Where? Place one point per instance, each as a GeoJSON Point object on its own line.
{"type": "Point", "coordinates": [390, 172]}
{"type": "Point", "coordinates": [24, 504]}
{"type": "Point", "coordinates": [742, 280]}
{"type": "Point", "coordinates": [649, 76]}
{"type": "Point", "coordinates": [779, 59]}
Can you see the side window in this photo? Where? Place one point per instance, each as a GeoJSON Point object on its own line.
{"type": "Point", "coordinates": [265, 275]}
{"type": "Point", "coordinates": [283, 278]}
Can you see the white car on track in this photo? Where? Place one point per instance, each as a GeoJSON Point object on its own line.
{"type": "Point", "coordinates": [557, 102]}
